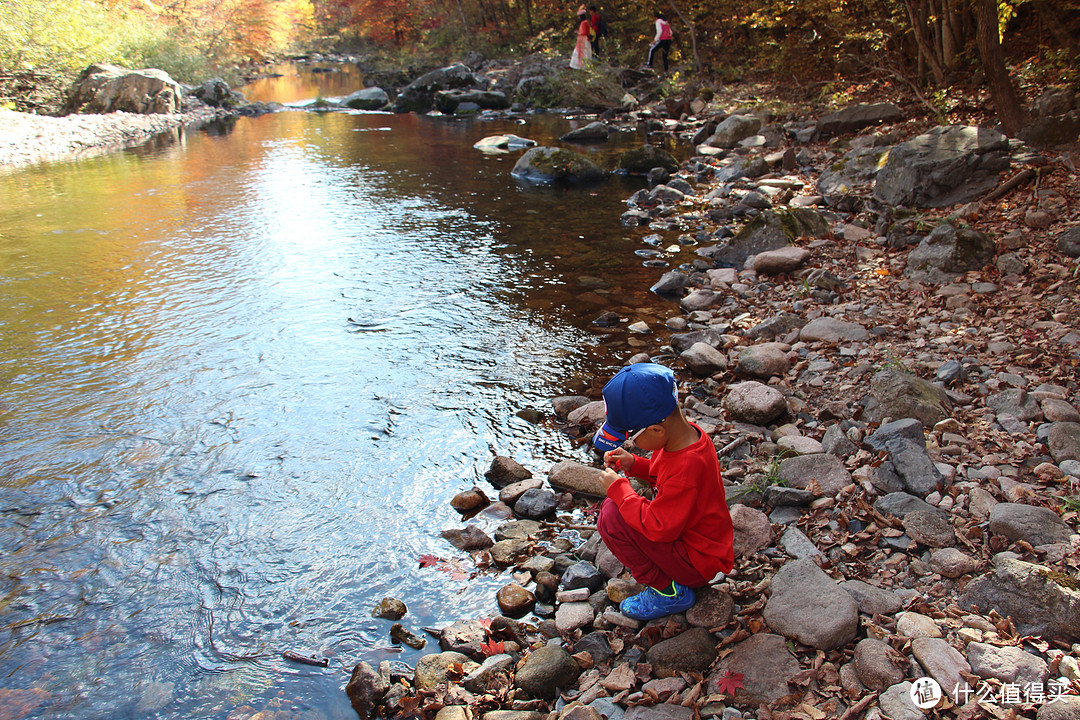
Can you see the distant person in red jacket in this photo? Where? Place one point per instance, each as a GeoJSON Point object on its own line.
{"type": "Point", "coordinates": [662, 40]}
{"type": "Point", "coordinates": [682, 538]}
{"type": "Point", "coordinates": [599, 29]}
{"type": "Point", "coordinates": [582, 54]}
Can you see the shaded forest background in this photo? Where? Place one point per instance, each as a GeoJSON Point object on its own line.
{"type": "Point", "coordinates": [938, 51]}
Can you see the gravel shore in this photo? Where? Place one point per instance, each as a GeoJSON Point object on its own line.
{"type": "Point", "coordinates": [27, 139]}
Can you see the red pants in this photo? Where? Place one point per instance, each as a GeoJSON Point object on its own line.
{"type": "Point", "coordinates": [651, 563]}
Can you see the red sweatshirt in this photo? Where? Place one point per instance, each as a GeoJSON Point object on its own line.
{"type": "Point", "coordinates": [689, 504]}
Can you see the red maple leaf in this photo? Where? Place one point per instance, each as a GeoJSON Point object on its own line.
{"type": "Point", "coordinates": [493, 647]}
{"type": "Point", "coordinates": [428, 560]}
{"type": "Point", "coordinates": [730, 682]}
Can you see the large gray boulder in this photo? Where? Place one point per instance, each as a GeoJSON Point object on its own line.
{"type": "Point", "coordinates": [452, 101]}
{"type": "Point", "coordinates": [104, 88]}
{"type": "Point", "coordinates": [947, 252]}
{"type": "Point", "coordinates": [857, 117]}
{"type": "Point", "coordinates": [754, 402]}
{"type": "Point", "coordinates": [855, 171]}
{"type": "Point", "coordinates": [372, 98]}
{"type": "Point", "coordinates": [1032, 524]}
{"type": "Point", "coordinates": [639, 161]}
{"type": "Point", "coordinates": [771, 230]}
{"type": "Point", "coordinates": [593, 132]}
{"type": "Point", "coordinates": [1039, 600]}
{"type": "Point", "coordinates": [1052, 130]}
{"type": "Point", "coordinates": [733, 129]}
{"type": "Point", "coordinates": [556, 165]}
{"type": "Point", "coordinates": [419, 95]}
{"type": "Point", "coordinates": [897, 394]}
{"type": "Point", "coordinates": [217, 93]}
{"type": "Point", "coordinates": [945, 166]}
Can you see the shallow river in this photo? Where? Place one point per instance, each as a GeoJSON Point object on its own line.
{"type": "Point", "coordinates": [242, 373]}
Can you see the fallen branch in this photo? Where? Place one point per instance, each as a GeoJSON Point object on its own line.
{"type": "Point", "coordinates": [1026, 175]}
{"type": "Point", "coordinates": [732, 445]}
{"type": "Point", "coordinates": [304, 659]}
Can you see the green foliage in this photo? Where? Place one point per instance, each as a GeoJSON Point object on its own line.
{"type": "Point", "coordinates": [894, 363]}
{"type": "Point", "coordinates": [65, 36]}
{"type": "Point", "coordinates": [596, 86]}
{"type": "Point", "coordinates": [769, 476]}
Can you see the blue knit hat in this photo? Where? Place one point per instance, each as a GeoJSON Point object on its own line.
{"type": "Point", "coordinates": [638, 396]}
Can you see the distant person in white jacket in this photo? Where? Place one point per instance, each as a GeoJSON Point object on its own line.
{"type": "Point", "coordinates": [662, 41]}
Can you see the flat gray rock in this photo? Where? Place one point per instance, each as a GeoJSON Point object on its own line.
{"type": "Point", "coordinates": [1063, 439]}
{"type": "Point", "coordinates": [901, 503]}
{"type": "Point", "coordinates": [1008, 664]}
{"type": "Point", "coordinates": [766, 666]}
{"type": "Point", "coordinates": [930, 528]}
{"type": "Point", "coordinates": [807, 605]}
{"type": "Point", "coordinates": [895, 703]}
{"type": "Point", "coordinates": [827, 470]}
{"type": "Point", "coordinates": [1030, 523]}
{"type": "Point", "coordinates": [873, 600]}
{"type": "Point", "coordinates": [796, 544]}
{"type": "Point", "coordinates": [829, 329]}
{"type": "Point", "coordinates": [942, 662]}
{"type": "Point", "coordinates": [691, 651]}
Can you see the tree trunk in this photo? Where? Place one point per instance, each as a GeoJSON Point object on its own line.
{"type": "Point", "coordinates": [1006, 102]}
{"type": "Point", "coordinates": [952, 43]}
{"type": "Point", "coordinates": [925, 51]}
{"type": "Point", "coordinates": [693, 36]}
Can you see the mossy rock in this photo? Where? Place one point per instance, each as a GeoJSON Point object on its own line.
{"type": "Point", "coordinates": [597, 88]}
{"type": "Point", "coordinates": [551, 165]}
{"type": "Point", "coordinates": [772, 230]}
{"type": "Point", "coordinates": [643, 159]}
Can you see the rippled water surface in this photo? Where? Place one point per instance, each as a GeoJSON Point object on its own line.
{"type": "Point", "coordinates": [242, 375]}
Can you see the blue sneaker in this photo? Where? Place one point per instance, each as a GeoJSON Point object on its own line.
{"type": "Point", "coordinates": [649, 604]}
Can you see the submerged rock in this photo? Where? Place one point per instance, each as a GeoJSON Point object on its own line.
{"type": "Point", "coordinates": [550, 165]}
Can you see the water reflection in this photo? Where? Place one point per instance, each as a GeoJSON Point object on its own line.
{"type": "Point", "coordinates": [244, 373]}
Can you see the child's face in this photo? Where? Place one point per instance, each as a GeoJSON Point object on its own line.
{"type": "Point", "coordinates": [651, 438]}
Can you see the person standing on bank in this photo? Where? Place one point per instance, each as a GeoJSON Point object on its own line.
{"type": "Point", "coordinates": [662, 41]}
{"type": "Point", "coordinates": [682, 538]}
{"type": "Point", "coordinates": [582, 54]}
{"type": "Point", "coordinates": [599, 29]}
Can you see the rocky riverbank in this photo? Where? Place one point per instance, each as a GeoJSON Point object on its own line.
{"type": "Point", "coordinates": [878, 325]}
{"type": "Point", "coordinates": [27, 139]}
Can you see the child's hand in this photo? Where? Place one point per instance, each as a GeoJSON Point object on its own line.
{"type": "Point", "coordinates": [619, 459]}
{"type": "Point", "coordinates": [607, 477]}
